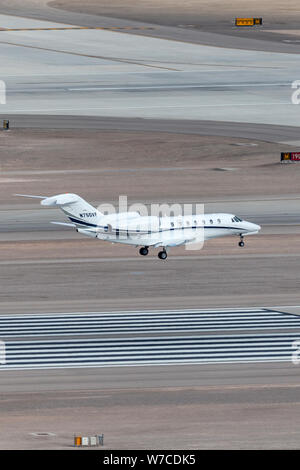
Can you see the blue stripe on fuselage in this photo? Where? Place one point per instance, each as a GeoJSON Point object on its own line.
{"type": "Point", "coordinates": [81, 222]}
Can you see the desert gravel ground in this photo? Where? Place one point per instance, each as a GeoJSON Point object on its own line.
{"type": "Point", "coordinates": [145, 166]}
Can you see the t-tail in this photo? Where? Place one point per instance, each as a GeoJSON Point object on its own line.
{"type": "Point", "coordinates": [80, 212]}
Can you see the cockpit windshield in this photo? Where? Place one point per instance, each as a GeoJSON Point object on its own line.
{"type": "Point", "coordinates": [236, 219]}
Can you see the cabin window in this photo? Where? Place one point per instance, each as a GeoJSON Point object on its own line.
{"type": "Point", "coordinates": [211, 221]}
{"type": "Point", "coordinates": [219, 221]}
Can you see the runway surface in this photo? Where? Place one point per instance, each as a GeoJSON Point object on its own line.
{"type": "Point", "coordinates": [104, 73]}
{"type": "Point", "coordinates": [160, 343]}
{"type": "Point", "coordinates": [275, 216]}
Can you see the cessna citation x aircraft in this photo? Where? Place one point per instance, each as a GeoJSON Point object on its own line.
{"type": "Point", "coordinates": [151, 231]}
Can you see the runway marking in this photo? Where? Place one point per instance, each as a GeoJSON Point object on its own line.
{"type": "Point", "coordinates": [163, 87]}
{"type": "Point", "coordinates": [98, 170]}
{"type": "Point", "coordinates": [144, 312]}
{"type": "Point", "coordinates": [32, 110]}
{"type": "Point", "coordinates": [78, 324]}
{"type": "Point", "coordinates": [91, 56]}
{"type": "Point", "coordinates": [118, 350]}
{"type": "Point", "coordinates": [148, 351]}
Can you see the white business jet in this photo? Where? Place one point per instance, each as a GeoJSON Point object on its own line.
{"type": "Point", "coordinates": [146, 232]}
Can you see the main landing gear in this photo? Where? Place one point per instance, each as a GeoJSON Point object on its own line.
{"type": "Point", "coordinates": [241, 243]}
{"type": "Point", "coordinates": [144, 251]}
{"type": "Point", "coordinates": [162, 254]}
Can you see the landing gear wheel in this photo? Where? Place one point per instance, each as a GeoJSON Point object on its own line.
{"type": "Point", "coordinates": [242, 243]}
{"type": "Point", "coordinates": [162, 255]}
{"type": "Point", "coordinates": [144, 251]}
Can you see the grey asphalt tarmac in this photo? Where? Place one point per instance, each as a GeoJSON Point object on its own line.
{"type": "Point", "coordinates": [264, 132]}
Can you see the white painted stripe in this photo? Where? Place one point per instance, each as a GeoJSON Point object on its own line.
{"type": "Point", "coordinates": [149, 364]}
{"type": "Point", "coordinates": [158, 87]}
{"type": "Point", "coordinates": [118, 329]}
{"type": "Point", "coordinates": [115, 317]}
{"type": "Point", "coordinates": [158, 330]}
{"type": "Point", "coordinates": [100, 322]}
{"type": "Point", "coordinates": [137, 312]}
{"type": "Point", "coordinates": [161, 106]}
{"type": "Point", "coordinates": [148, 358]}
{"type": "Point", "coordinates": [45, 354]}
{"type": "Point", "coordinates": [138, 349]}
{"type": "Point", "coordinates": [169, 342]}
{"type": "Point", "coordinates": [157, 339]}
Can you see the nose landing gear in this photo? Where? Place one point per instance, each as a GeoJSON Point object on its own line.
{"type": "Point", "coordinates": [241, 243]}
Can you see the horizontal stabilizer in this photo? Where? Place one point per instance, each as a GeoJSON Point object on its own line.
{"type": "Point", "coordinates": [61, 200]}
{"type": "Point", "coordinates": [30, 195]}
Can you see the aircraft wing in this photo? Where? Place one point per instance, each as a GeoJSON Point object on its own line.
{"type": "Point", "coordinates": [64, 223]}
{"type": "Point", "coordinates": [174, 241]}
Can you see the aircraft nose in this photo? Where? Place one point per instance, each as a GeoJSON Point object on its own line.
{"type": "Point", "coordinates": [255, 227]}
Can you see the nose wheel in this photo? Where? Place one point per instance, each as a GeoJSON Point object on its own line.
{"type": "Point", "coordinates": [241, 243]}
{"type": "Point", "coordinates": [144, 251]}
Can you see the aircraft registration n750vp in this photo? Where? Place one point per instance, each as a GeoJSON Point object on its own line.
{"type": "Point", "coordinates": [147, 231]}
